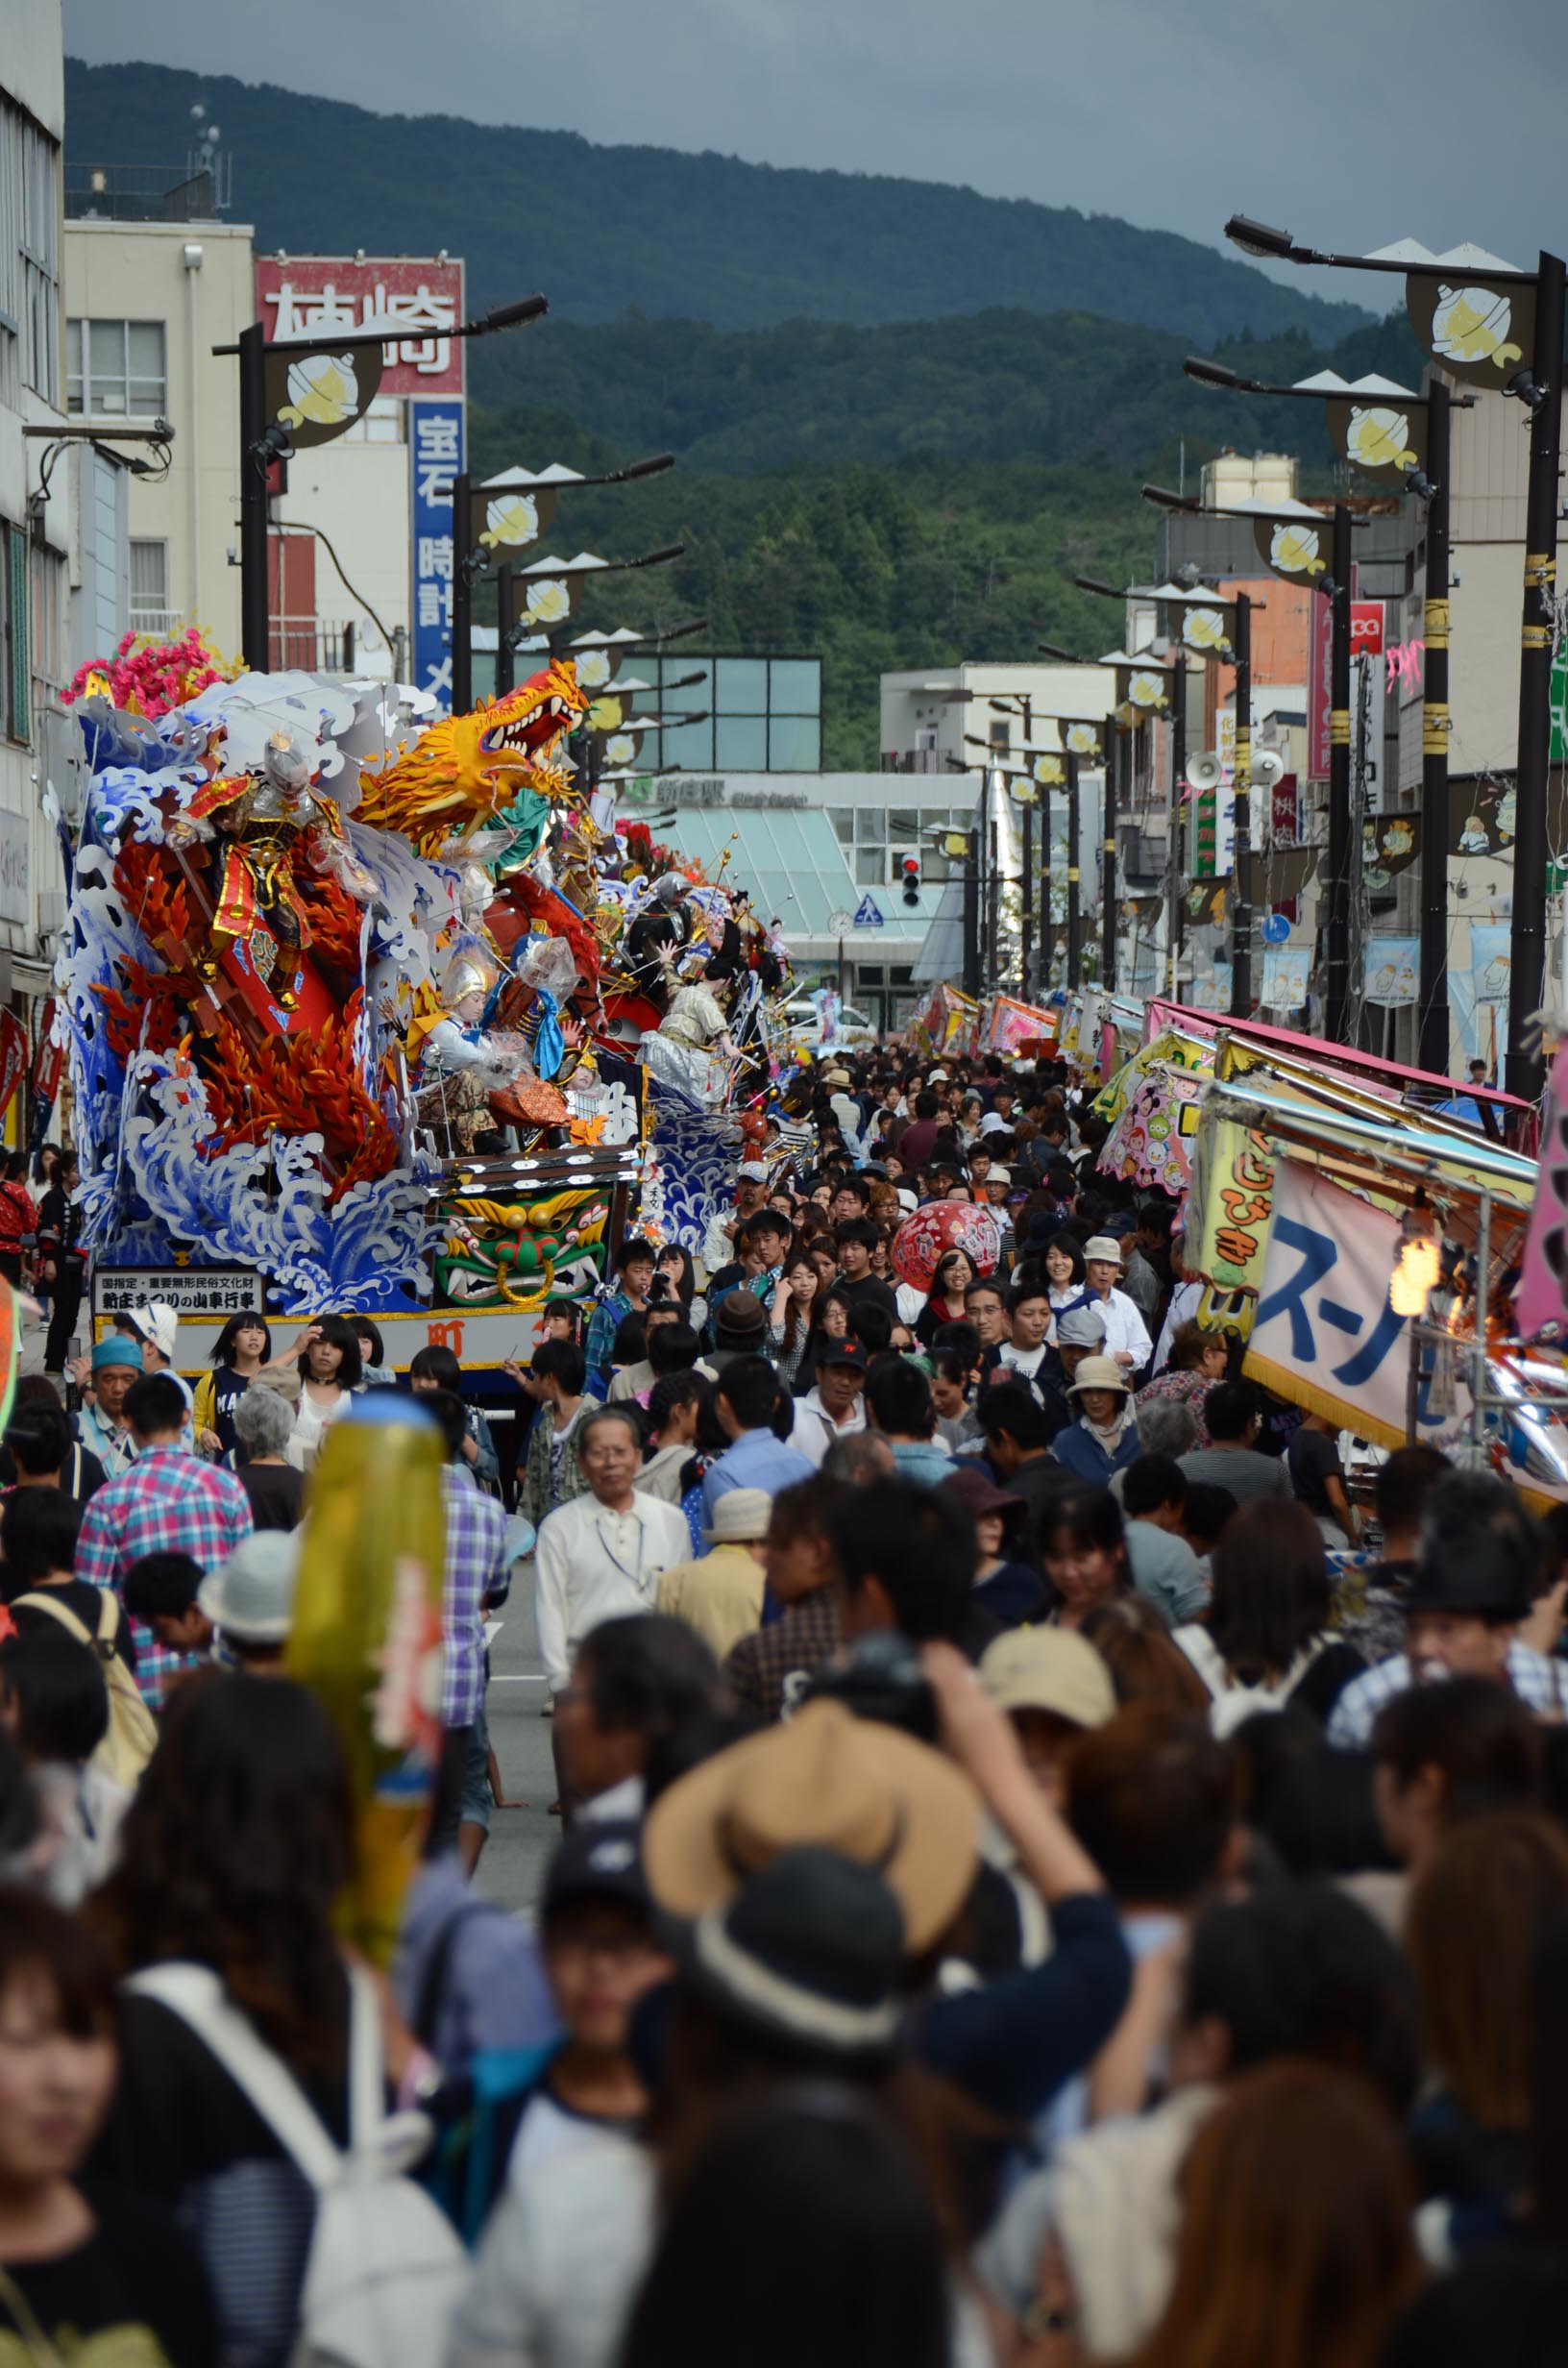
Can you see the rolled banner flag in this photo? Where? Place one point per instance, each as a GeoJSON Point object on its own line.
{"type": "Point", "coordinates": [366, 1640]}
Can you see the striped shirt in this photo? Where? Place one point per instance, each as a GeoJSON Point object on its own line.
{"type": "Point", "coordinates": [169, 1502]}
{"type": "Point", "coordinates": [1540, 1685]}
{"type": "Point", "coordinates": [476, 1566]}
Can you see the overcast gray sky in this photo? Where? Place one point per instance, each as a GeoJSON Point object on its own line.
{"type": "Point", "coordinates": [1350, 122]}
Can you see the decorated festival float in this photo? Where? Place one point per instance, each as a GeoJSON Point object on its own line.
{"type": "Point", "coordinates": [373, 1011]}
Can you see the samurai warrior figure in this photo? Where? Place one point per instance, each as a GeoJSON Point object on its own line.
{"type": "Point", "coordinates": [262, 818]}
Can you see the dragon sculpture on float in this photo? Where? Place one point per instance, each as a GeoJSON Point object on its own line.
{"type": "Point", "coordinates": [271, 878]}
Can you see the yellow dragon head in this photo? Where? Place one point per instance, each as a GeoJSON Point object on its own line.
{"type": "Point", "coordinates": [466, 767]}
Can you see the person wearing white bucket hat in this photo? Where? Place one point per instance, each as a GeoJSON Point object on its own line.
{"type": "Point", "coordinates": [1126, 1335]}
{"type": "Point", "coordinates": [249, 1598]}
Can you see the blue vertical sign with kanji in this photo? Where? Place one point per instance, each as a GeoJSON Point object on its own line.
{"type": "Point", "coordinates": [435, 448]}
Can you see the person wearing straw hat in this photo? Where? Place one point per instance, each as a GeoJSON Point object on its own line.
{"type": "Point", "coordinates": [720, 1596]}
{"type": "Point", "coordinates": [1126, 1335]}
{"type": "Point", "coordinates": [1103, 1439]}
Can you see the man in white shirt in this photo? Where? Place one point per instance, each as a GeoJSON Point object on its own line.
{"type": "Point", "coordinates": [833, 1409]}
{"type": "Point", "coordinates": [1126, 1335]}
{"type": "Point", "coordinates": [603, 1554]}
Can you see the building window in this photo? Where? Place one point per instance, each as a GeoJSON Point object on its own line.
{"type": "Point", "coordinates": [116, 369]}
{"type": "Point", "coordinates": [29, 254]}
{"type": "Point", "coordinates": [150, 588]}
{"type": "Point", "coordinates": [761, 715]}
{"type": "Point", "coordinates": [16, 684]}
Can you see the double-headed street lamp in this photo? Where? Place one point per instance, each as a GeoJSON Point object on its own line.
{"type": "Point", "coordinates": [507, 514]}
{"type": "Point", "coordinates": [296, 392]}
{"type": "Point", "coordinates": [1393, 434]}
{"type": "Point", "coordinates": [1476, 316]}
{"type": "Point", "coordinates": [1212, 626]}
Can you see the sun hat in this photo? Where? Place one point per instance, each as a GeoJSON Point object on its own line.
{"type": "Point", "coordinates": [976, 1493]}
{"type": "Point", "coordinates": [994, 1123]}
{"type": "Point", "coordinates": [1098, 1373]}
{"type": "Point", "coordinates": [597, 1859]}
{"type": "Point", "coordinates": [1081, 1327]}
{"type": "Point", "coordinates": [1049, 1669]}
{"type": "Point", "coordinates": [251, 1594]}
{"type": "Point", "coordinates": [837, 1076]}
{"type": "Point", "coordinates": [741, 1515]}
{"type": "Point", "coordinates": [156, 1322]}
{"type": "Point", "coordinates": [828, 1779]}
{"type": "Point", "coordinates": [116, 1348]}
{"type": "Point", "coordinates": [936, 1077]}
{"type": "Point", "coordinates": [808, 1951]}
{"type": "Point", "coordinates": [999, 1175]}
{"type": "Point", "coordinates": [907, 1200]}
{"type": "Point", "coordinates": [740, 1312]}
{"type": "Point", "coordinates": [1102, 1246]}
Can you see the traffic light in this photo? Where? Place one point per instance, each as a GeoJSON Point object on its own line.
{"type": "Point", "coordinates": [911, 869]}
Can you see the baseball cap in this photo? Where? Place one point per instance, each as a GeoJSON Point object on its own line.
{"type": "Point", "coordinates": [843, 1352]}
{"type": "Point", "coordinates": [156, 1322]}
{"type": "Point", "coordinates": [1081, 1327]}
{"type": "Point", "coordinates": [1049, 1669]}
{"type": "Point", "coordinates": [753, 1170]}
{"type": "Point", "coordinates": [597, 1859]}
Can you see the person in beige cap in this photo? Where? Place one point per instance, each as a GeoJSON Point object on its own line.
{"type": "Point", "coordinates": [1104, 1440]}
{"type": "Point", "coordinates": [1126, 1334]}
{"type": "Point", "coordinates": [721, 1596]}
{"type": "Point", "coordinates": [1054, 1688]}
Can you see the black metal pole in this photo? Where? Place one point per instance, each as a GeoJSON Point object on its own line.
{"type": "Point", "coordinates": [1526, 979]}
{"type": "Point", "coordinates": [1241, 845]}
{"type": "Point", "coordinates": [462, 600]}
{"type": "Point", "coordinates": [993, 891]}
{"type": "Point", "coordinates": [1175, 870]}
{"type": "Point", "coordinates": [1336, 981]}
{"type": "Point", "coordinates": [971, 916]}
{"type": "Point", "coordinates": [253, 603]}
{"type": "Point", "coordinates": [1432, 1044]}
{"type": "Point", "coordinates": [1070, 982]}
{"type": "Point", "coordinates": [1108, 853]}
{"type": "Point", "coordinates": [506, 654]}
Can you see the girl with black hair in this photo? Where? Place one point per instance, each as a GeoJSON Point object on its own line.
{"type": "Point", "coordinates": [238, 1353]}
{"type": "Point", "coordinates": [85, 2274]}
{"type": "Point", "coordinates": [318, 1374]}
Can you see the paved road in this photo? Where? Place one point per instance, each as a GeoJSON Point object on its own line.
{"type": "Point", "coordinates": [521, 1839]}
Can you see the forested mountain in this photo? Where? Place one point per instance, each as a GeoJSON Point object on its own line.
{"type": "Point", "coordinates": [605, 231]}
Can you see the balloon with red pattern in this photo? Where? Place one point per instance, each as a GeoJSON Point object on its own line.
{"type": "Point", "coordinates": [944, 1225]}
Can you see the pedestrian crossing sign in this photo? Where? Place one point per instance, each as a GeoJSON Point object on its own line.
{"type": "Point", "coordinates": [868, 915]}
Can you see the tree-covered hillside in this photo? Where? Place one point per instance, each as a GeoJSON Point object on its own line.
{"type": "Point", "coordinates": [695, 237]}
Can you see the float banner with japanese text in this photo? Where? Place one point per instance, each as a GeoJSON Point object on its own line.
{"type": "Point", "coordinates": [1325, 1335]}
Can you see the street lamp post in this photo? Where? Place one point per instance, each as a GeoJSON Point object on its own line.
{"type": "Point", "coordinates": [300, 391]}
{"type": "Point", "coordinates": [1431, 1043]}
{"type": "Point", "coordinates": [1472, 335]}
{"type": "Point", "coordinates": [1241, 848]}
{"type": "Point", "coordinates": [1336, 937]}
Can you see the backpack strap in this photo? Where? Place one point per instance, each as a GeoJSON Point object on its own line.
{"type": "Point", "coordinates": [196, 1995]}
{"type": "Point", "coordinates": [109, 1618]}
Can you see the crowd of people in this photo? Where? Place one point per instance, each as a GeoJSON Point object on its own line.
{"type": "Point", "coordinates": [1054, 1865]}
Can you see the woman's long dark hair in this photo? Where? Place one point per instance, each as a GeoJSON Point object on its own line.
{"type": "Point", "coordinates": [801, 1257]}
{"type": "Point", "coordinates": [236, 1846]}
{"type": "Point", "coordinates": [338, 1333]}
{"type": "Point", "coordinates": [1271, 1588]}
{"type": "Point", "coordinates": [804, 2221]}
{"type": "Point", "coordinates": [223, 1347]}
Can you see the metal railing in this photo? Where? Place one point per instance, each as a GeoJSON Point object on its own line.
{"type": "Point", "coordinates": [138, 193]}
